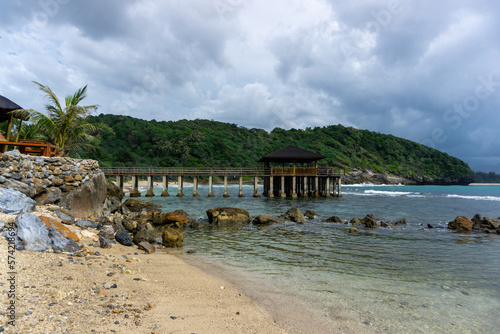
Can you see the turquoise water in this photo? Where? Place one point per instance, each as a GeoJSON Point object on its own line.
{"type": "Point", "coordinates": [409, 279]}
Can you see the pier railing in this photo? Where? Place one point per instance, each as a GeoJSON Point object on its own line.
{"type": "Point", "coordinates": [221, 171]}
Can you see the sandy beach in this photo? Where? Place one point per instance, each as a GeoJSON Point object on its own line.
{"type": "Point", "coordinates": [122, 290]}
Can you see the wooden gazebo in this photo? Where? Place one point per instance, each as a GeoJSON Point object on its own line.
{"type": "Point", "coordinates": [293, 171]}
{"type": "Point", "coordinates": [6, 106]}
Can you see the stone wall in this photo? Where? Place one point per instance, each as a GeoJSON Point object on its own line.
{"type": "Point", "coordinates": [77, 184]}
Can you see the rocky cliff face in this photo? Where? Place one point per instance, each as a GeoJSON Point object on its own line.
{"type": "Point", "coordinates": [76, 184]}
{"type": "Point", "coordinates": [369, 176]}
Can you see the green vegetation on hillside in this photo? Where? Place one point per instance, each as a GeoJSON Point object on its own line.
{"type": "Point", "coordinates": [137, 142]}
{"type": "Point", "coordinates": [491, 177]}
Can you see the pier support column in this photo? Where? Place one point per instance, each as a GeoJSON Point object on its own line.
{"type": "Point", "coordinates": [164, 192]}
{"type": "Point", "coordinates": [304, 187]}
{"type": "Point", "coordinates": [195, 186]}
{"type": "Point", "coordinates": [327, 187]}
{"type": "Point", "coordinates": [294, 186]}
{"type": "Point", "coordinates": [225, 187]}
{"type": "Point", "coordinates": [271, 187]}
{"type": "Point", "coordinates": [135, 187]}
{"type": "Point", "coordinates": [340, 187]}
{"type": "Point", "coordinates": [180, 186]}
{"type": "Point", "coordinates": [316, 186]}
{"type": "Point", "coordinates": [119, 181]}
{"type": "Point", "coordinates": [334, 187]}
{"type": "Point", "coordinates": [282, 188]}
{"type": "Point", "coordinates": [150, 192]}
{"type": "Point", "coordinates": [210, 186]}
{"type": "Point", "coordinates": [241, 187]}
{"type": "Point", "coordinates": [255, 187]}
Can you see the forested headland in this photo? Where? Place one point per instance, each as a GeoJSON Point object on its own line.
{"type": "Point", "coordinates": [199, 143]}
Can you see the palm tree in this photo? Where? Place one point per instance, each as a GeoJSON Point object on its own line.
{"type": "Point", "coordinates": [67, 127]}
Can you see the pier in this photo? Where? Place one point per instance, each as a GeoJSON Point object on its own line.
{"type": "Point", "coordinates": [288, 172]}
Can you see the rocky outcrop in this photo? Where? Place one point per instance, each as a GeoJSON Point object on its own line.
{"type": "Point", "coordinates": [135, 205]}
{"type": "Point", "coordinates": [370, 222]}
{"type": "Point", "coordinates": [87, 200]}
{"type": "Point", "coordinates": [267, 219]}
{"type": "Point", "coordinates": [486, 224]}
{"type": "Point", "coordinates": [113, 199]}
{"type": "Point", "coordinates": [229, 217]}
{"type": "Point", "coordinates": [333, 219]}
{"type": "Point", "coordinates": [13, 202]}
{"type": "Point", "coordinates": [461, 223]}
{"type": "Point", "coordinates": [295, 215]}
{"type": "Point", "coordinates": [172, 238]}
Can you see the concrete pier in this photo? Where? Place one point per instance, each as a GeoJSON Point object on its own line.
{"type": "Point", "coordinates": [225, 187]}
{"type": "Point", "coordinates": [180, 185]}
{"type": "Point", "coordinates": [164, 192]}
{"type": "Point", "coordinates": [195, 186]}
{"type": "Point", "coordinates": [210, 186]}
{"type": "Point", "coordinates": [150, 192]}
{"type": "Point", "coordinates": [135, 187]}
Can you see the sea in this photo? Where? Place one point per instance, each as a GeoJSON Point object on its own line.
{"type": "Point", "coordinates": [415, 278]}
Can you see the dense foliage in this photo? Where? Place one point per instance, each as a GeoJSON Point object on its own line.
{"type": "Point", "coordinates": [137, 142]}
{"type": "Point", "coordinates": [491, 177]}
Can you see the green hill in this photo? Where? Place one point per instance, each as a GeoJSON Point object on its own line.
{"type": "Point", "coordinates": [199, 142]}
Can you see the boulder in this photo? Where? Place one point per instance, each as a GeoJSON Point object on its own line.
{"type": "Point", "coordinates": [123, 238]}
{"type": "Point", "coordinates": [400, 222]}
{"type": "Point", "coordinates": [2, 225]}
{"type": "Point", "coordinates": [86, 223]}
{"type": "Point", "coordinates": [333, 219]}
{"type": "Point", "coordinates": [130, 225]}
{"type": "Point", "coordinates": [370, 222]}
{"type": "Point", "coordinates": [141, 235]}
{"type": "Point", "coordinates": [267, 219]}
{"type": "Point", "coordinates": [59, 227]}
{"type": "Point", "coordinates": [227, 216]}
{"type": "Point", "coordinates": [179, 218]}
{"type": "Point", "coordinates": [104, 243]}
{"type": "Point", "coordinates": [107, 231]}
{"type": "Point", "coordinates": [356, 222]}
{"type": "Point", "coordinates": [13, 202]}
{"type": "Point", "coordinates": [486, 223]}
{"type": "Point", "coordinates": [65, 217]}
{"type": "Point", "coordinates": [147, 247]}
{"type": "Point", "coordinates": [353, 230]}
{"type": "Point", "coordinates": [310, 214]}
{"type": "Point", "coordinates": [461, 223]}
{"type": "Point", "coordinates": [386, 224]}
{"type": "Point", "coordinates": [51, 196]}
{"type": "Point", "coordinates": [295, 215]}
{"type": "Point", "coordinates": [87, 200]}
{"type": "Point", "coordinates": [135, 205]}
{"type": "Point", "coordinates": [114, 191]}
{"type": "Point", "coordinates": [172, 238]}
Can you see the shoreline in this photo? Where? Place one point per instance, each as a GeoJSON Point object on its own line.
{"type": "Point", "coordinates": [149, 293]}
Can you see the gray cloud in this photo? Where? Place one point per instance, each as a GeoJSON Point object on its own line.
{"type": "Point", "coordinates": [399, 67]}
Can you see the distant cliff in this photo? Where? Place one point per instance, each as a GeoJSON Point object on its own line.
{"type": "Point", "coordinates": [367, 156]}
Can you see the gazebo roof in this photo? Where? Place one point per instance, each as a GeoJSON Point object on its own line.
{"type": "Point", "coordinates": [6, 106]}
{"type": "Point", "coordinates": [292, 153]}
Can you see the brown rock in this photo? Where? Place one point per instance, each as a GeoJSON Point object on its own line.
{"type": "Point", "coordinates": [461, 223]}
{"type": "Point", "coordinates": [69, 178]}
{"type": "Point", "coordinates": [172, 238]}
{"type": "Point", "coordinates": [136, 205]}
{"type": "Point", "coordinates": [228, 216]}
{"type": "Point", "coordinates": [88, 199]}
{"type": "Point", "coordinates": [78, 177]}
{"type": "Point", "coordinates": [59, 227]}
{"type": "Point", "coordinates": [353, 230]}
{"type": "Point", "coordinates": [178, 217]}
{"type": "Point", "coordinates": [356, 222]}
{"type": "Point", "coordinates": [146, 246]}
{"type": "Point", "coordinates": [333, 219]}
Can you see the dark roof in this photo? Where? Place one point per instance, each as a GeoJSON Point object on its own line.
{"type": "Point", "coordinates": [7, 105]}
{"type": "Point", "coordinates": [292, 153]}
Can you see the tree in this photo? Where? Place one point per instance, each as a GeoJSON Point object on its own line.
{"type": "Point", "coordinates": [67, 127]}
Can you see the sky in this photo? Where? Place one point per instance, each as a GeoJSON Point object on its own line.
{"type": "Point", "coordinates": [423, 70]}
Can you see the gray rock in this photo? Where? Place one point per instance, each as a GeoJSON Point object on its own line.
{"type": "Point", "coordinates": [266, 219]}
{"type": "Point", "coordinates": [13, 202]}
{"type": "Point", "coordinates": [86, 223]}
{"type": "Point", "coordinates": [107, 231]}
{"type": "Point", "coordinates": [32, 234]}
{"type": "Point", "coordinates": [141, 235]}
{"type": "Point", "coordinates": [13, 153]}
{"type": "Point", "coordinates": [123, 238]}
{"type": "Point", "coordinates": [51, 196]}
{"type": "Point", "coordinates": [104, 243]}
{"type": "Point", "coordinates": [60, 243]}
{"type": "Point", "coordinates": [2, 225]}
{"type": "Point", "coordinates": [65, 218]}
{"type": "Point", "coordinates": [88, 199]}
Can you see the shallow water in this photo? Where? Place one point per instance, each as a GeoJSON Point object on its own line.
{"type": "Point", "coordinates": [408, 279]}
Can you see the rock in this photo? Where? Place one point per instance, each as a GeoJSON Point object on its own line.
{"type": "Point", "coordinates": [86, 223]}
{"type": "Point", "coordinates": [107, 231]}
{"type": "Point", "coordinates": [13, 202]}
{"type": "Point", "coordinates": [486, 224]}
{"type": "Point", "coordinates": [370, 222]}
{"type": "Point", "coordinates": [136, 205]}
{"type": "Point", "coordinates": [32, 233]}
{"type": "Point", "coordinates": [51, 196]}
{"type": "Point", "coordinates": [353, 230]}
{"type": "Point", "coordinates": [146, 246]}
{"type": "Point", "coordinates": [267, 219]}
{"type": "Point", "coordinates": [179, 218]}
{"type": "Point", "coordinates": [87, 200]}
{"type": "Point", "coordinates": [123, 238]}
{"type": "Point", "coordinates": [111, 205]}
{"type": "Point", "coordinates": [104, 243]}
{"type": "Point", "coordinates": [226, 216]}
{"type": "Point", "coordinates": [114, 191]}
{"type": "Point", "coordinates": [2, 225]}
{"type": "Point", "coordinates": [461, 223]}
{"type": "Point", "coordinates": [130, 225]}
{"type": "Point", "coordinates": [386, 224]}
{"type": "Point", "coordinates": [295, 215]}
{"type": "Point", "coordinates": [310, 214]}
{"type": "Point", "coordinates": [59, 227]}
{"type": "Point", "coordinates": [119, 228]}
{"type": "Point", "coordinates": [356, 222]}
{"type": "Point", "coordinates": [141, 235]}
{"type": "Point", "coordinates": [400, 222]}
{"type": "Point", "coordinates": [172, 238]}
{"type": "Point", "coordinates": [65, 218]}
{"type": "Point", "coordinates": [333, 219]}
{"type": "Point", "coordinates": [60, 243]}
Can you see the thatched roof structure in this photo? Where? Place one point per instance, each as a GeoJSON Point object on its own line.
{"type": "Point", "coordinates": [292, 154]}
{"type": "Point", "coordinates": [7, 106]}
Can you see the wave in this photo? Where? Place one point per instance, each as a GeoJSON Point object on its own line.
{"type": "Point", "coordinates": [371, 192]}
{"type": "Point", "coordinates": [476, 198]}
{"type": "Point", "coordinates": [369, 184]}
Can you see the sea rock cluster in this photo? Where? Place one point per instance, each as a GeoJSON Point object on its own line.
{"type": "Point", "coordinates": [477, 223]}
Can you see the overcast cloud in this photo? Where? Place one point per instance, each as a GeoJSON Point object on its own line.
{"type": "Point", "coordinates": [422, 70]}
